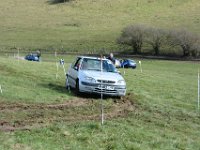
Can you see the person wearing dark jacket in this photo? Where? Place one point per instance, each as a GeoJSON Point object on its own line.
{"type": "Point", "coordinates": [111, 57]}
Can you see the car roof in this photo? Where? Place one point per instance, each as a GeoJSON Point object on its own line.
{"type": "Point", "coordinates": [129, 59]}
{"type": "Point", "coordinates": [90, 57]}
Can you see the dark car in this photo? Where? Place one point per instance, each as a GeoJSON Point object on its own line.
{"type": "Point", "coordinates": [32, 57]}
{"type": "Point", "coordinates": [128, 63]}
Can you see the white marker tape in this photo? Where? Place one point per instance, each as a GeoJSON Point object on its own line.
{"type": "Point", "coordinates": [140, 66]}
{"type": "Point", "coordinates": [57, 70]}
{"type": "Point", "coordinates": [198, 102]}
{"type": "Point", "coordinates": [55, 54]}
{"type": "Point", "coordinates": [1, 89]}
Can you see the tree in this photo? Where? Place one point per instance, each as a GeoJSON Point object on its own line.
{"type": "Point", "coordinates": [156, 38]}
{"type": "Point", "coordinates": [195, 50]}
{"type": "Point", "coordinates": [132, 36]}
{"type": "Point", "coordinates": [186, 40]}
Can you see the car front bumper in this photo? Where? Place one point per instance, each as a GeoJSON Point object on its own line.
{"type": "Point", "coordinates": [106, 89]}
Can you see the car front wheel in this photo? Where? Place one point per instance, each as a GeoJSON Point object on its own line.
{"type": "Point", "coordinates": [67, 82]}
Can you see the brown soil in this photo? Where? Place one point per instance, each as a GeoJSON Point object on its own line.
{"type": "Point", "coordinates": [21, 116]}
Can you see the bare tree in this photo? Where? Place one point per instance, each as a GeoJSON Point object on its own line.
{"type": "Point", "coordinates": [156, 38]}
{"type": "Point", "coordinates": [132, 36]}
{"type": "Point", "coordinates": [186, 40]}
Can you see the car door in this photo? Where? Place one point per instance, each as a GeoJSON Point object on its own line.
{"type": "Point", "coordinates": [73, 72]}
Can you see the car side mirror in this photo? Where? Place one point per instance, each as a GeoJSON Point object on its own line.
{"type": "Point", "coordinates": [76, 68]}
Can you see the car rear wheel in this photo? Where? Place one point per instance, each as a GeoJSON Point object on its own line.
{"type": "Point", "coordinates": [77, 87]}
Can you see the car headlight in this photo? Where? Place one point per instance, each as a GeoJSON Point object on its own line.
{"type": "Point", "coordinates": [90, 79]}
{"type": "Point", "coordinates": [121, 82]}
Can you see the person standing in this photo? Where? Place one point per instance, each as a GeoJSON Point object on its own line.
{"type": "Point", "coordinates": [111, 57]}
{"type": "Point", "coordinates": [38, 54]}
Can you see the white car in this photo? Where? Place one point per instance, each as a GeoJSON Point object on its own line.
{"type": "Point", "coordinates": [95, 75]}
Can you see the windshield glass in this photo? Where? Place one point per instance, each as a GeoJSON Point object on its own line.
{"type": "Point", "coordinates": [95, 64]}
{"type": "Point", "coordinates": [132, 61]}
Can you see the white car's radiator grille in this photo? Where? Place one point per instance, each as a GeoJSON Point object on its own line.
{"type": "Point", "coordinates": [105, 91]}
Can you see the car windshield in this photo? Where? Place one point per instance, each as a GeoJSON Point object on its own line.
{"type": "Point", "coordinates": [95, 64]}
{"type": "Point", "coordinates": [132, 61]}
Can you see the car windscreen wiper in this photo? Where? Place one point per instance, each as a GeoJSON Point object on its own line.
{"type": "Point", "coordinates": [95, 69]}
{"type": "Point", "coordinates": [111, 71]}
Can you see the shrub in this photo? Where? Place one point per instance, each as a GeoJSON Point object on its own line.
{"type": "Point", "coordinates": [195, 50]}
{"type": "Point", "coordinates": [132, 36]}
{"type": "Point", "coordinates": [136, 35]}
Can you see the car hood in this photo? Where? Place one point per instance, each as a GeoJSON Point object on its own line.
{"type": "Point", "coordinates": [102, 75]}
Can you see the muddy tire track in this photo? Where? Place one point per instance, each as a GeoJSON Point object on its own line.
{"type": "Point", "coordinates": [42, 115]}
{"type": "Point", "coordinates": [24, 106]}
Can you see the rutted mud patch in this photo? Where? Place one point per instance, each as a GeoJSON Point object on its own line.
{"type": "Point", "coordinates": [21, 116]}
{"type": "Point", "coordinates": [24, 106]}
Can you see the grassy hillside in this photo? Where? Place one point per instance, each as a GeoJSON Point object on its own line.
{"type": "Point", "coordinates": [91, 25]}
{"type": "Point", "coordinates": [158, 112]}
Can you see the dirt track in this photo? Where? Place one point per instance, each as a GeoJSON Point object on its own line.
{"type": "Point", "coordinates": [21, 116]}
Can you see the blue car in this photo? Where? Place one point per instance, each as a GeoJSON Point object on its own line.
{"type": "Point", "coordinates": [128, 63]}
{"type": "Point", "coordinates": [32, 57]}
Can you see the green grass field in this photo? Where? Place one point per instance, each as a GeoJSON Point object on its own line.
{"type": "Point", "coordinates": [87, 25]}
{"type": "Point", "coordinates": [158, 112]}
